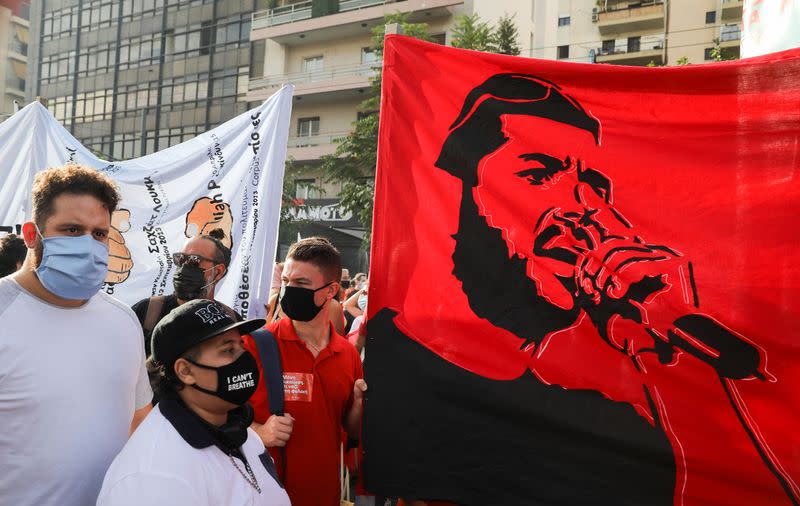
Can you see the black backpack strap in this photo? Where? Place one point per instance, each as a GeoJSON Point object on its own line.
{"type": "Point", "coordinates": [154, 307]}
{"type": "Point", "coordinates": [273, 371]}
{"type": "Point", "coordinates": [273, 377]}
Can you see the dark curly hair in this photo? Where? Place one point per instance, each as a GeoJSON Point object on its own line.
{"type": "Point", "coordinates": [12, 252]}
{"type": "Point", "coordinates": [74, 179]}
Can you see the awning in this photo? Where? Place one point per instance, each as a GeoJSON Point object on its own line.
{"type": "Point", "coordinates": [22, 33]}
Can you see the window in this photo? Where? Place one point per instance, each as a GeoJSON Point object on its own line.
{"type": "Point", "coordinates": [563, 52]}
{"type": "Point", "coordinates": [304, 189]}
{"type": "Point", "coordinates": [313, 64]}
{"type": "Point", "coordinates": [439, 38]}
{"type": "Point", "coordinates": [608, 47]}
{"type": "Point", "coordinates": [563, 21]}
{"type": "Point", "coordinates": [711, 17]}
{"type": "Point", "coordinates": [308, 127]}
{"type": "Point", "coordinates": [368, 55]}
{"type": "Point", "coordinates": [708, 54]}
{"type": "Point", "coordinates": [634, 43]}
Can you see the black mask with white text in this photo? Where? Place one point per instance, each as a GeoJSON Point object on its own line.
{"type": "Point", "coordinates": [298, 303]}
{"type": "Point", "coordinates": [236, 382]}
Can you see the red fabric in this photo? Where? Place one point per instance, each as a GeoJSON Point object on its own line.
{"type": "Point", "coordinates": [703, 159]}
{"type": "Point", "coordinates": [312, 454]}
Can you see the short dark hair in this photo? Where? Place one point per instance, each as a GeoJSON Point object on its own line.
{"type": "Point", "coordinates": [12, 252]}
{"type": "Point", "coordinates": [477, 131]}
{"type": "Point", "coordinates": [73, 179]}
{"type": "Point", "coordinates": [319, 252]}
{"type": "Point", "coordinates": [166, 381]}
{"type": "Point", "coordinates": [223, 255]}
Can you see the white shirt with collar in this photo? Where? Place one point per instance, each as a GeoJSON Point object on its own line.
{"type": "Point", "coordinates": [172, 460]}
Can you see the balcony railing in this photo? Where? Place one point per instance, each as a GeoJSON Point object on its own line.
{"type": "Point", "coordinates": [631, 49]}
{"type": "Point", "coordinates": [303, 10]}
{"type": "Point", "coordinates": [281, 15]}
{"type": "Point", "coordinates": [727, 34]}
{"type": "Point", "coordinates": [316, 140]}
{"type": "Point", "coordinates": [621, 13]}
{"type": "Point", "coordinates": [319, 76]}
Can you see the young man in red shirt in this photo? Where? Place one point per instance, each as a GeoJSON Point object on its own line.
{"type": "Point", "coordinates": [323, 379]}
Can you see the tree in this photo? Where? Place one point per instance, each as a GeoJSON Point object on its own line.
{"type": "Point", "coordinates": [353, 163]}
{"type": "Point", "coordinates": [506, 36]}
{"type": "Point", "coordinates": [472, 33]}
{"type": "Point", "coordinates": [683, 60]}
{"type": "Point", "coordinates": [718, 53]}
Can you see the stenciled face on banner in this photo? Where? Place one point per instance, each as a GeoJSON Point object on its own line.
{"type": "Point", "coordinates": [592, 229]}
{"type": "Point", "coordinates": [533, 203]}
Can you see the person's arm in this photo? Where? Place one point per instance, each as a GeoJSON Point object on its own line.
{"type": "Point", "coordinates": [353, 420]}
{"type": "Point", "coordinates": [276, 431]}
{"type": "Point", "coordinates": [337, 317]}
{"type": "Point", "coordinates": [351, 304]}
{"type": "Point", "coordinates": [138, 416]}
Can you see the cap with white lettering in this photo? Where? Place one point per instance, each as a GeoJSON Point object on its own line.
{"type": "Point", "coordinates": [192, 323]}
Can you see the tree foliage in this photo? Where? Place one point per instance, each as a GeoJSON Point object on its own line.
{"type": "Point", "coordinates": [353, 164]}
{"type": "Point", "coordinates": [471, 32]}
{"type": "Point", "coordinates": [506, 36]}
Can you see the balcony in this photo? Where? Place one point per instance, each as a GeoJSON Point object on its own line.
{"type": "Point", "coordinates": [304, 148]}
{"type": "Point", "coordinates": [730, 35]}
{"type": "Point", "coordinates": [337, 80]}
{"type": "Point", "coordinates": [732, 10]}
{"type": "Point", "coordinates": [308, 22]}
{"type": "Point", "coordinates": [632, 54]}
{"type": "Point", "coordinates": [631, 18]}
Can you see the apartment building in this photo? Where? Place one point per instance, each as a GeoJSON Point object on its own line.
{"type": "Point", "coordinates": [130, 77]}
{"type": "Point", "coordinates": [14, 28]}
{"type": "Point", "coordinates": [322, 47]}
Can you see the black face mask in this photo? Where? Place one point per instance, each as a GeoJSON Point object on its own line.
{"type": "Point", "coordinates": [236, 382]}
{"type": "Point", "coordinates": [298, 303]}
{"type": "Point", "coordinates": [190, 283]}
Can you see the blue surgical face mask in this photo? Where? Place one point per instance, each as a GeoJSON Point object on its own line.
{"type": "Point", "coordinates": [362, 302]}
{"type": "Point", "coordinates": [73, 267]}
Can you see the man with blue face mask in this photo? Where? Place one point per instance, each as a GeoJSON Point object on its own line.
{"type": "Point", "coordinates": [72, 379]}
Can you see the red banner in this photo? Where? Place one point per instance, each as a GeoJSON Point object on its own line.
{"type": "Point", "coordinates": [600, 264]}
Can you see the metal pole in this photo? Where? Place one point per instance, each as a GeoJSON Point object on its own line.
{"type": "Point", "coordinates": [394, 29]}
{"type": "Point", "coordinates": [142, 148]}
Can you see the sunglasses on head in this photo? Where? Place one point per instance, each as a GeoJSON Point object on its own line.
{"type": "Point", "coordinates": [182, 258]}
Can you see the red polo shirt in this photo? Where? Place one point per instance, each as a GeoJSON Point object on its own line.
{"type": "Point", "coordinates": [318, 393]}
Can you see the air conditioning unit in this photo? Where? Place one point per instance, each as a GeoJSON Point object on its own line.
{"type": "Point", "coordinates": [595, 15]}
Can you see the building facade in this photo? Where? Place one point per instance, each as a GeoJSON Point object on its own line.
{"type": "Point", "coordinates": [14, 32]}
{"type": "Point", "coordinates": [130, 77]}
{"type": "Point", "coordinates": [322, 47]}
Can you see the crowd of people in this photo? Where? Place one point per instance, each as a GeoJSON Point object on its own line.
{"type": "Point", "coordinates": [177, 400]}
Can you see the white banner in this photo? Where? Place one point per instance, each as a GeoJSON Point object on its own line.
{"type": "Point", "coordinates": [230, 178]}
{"type": "Point", "coordinates": [769, 26]}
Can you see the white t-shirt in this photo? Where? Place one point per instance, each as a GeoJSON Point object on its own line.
{"type": "Point", "coordinates": [158, 467]}
{"type": "Point", "coordinates": [70, 380]}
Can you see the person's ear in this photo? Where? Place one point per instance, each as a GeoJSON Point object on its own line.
{"type": "Point", "coordinates": [183, 370]}
{"type": "Point", "coordinates": [29, 234]}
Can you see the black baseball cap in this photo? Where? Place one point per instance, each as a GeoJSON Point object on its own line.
{"type": "Point", "coordinates": [192, 323]}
